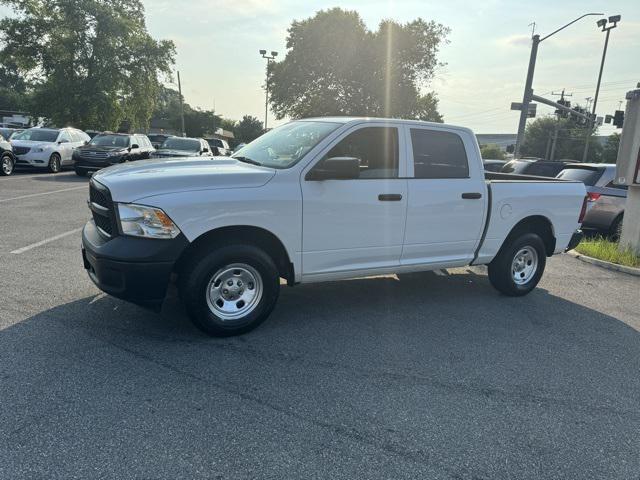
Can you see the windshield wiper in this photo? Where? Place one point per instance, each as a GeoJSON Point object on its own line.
{"type": "Point", "coordinates": [248, 160]}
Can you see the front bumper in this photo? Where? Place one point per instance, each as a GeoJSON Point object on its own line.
{"type": "Point", "coordinates": [33, 159]}
{"type": "Point", "coordinates": [576, 238]}
{"type": "Point", "coordinates": [133, 269]}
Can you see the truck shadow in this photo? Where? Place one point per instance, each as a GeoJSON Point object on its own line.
{"type": "Point", "coordinates": [329, 357]}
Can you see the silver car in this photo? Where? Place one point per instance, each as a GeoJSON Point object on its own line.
{"type": "Point", "coordinates": [606, 200]}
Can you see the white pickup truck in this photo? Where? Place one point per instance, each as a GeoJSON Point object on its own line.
{"type": "Point", "coordinates": [316, 200]}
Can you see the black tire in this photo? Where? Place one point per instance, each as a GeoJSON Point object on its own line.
{"type": "Point", "coordinates": [501, 269]}
{"type": "Point", "coordinates": [199, 273]}
{"type": "Point", "coordinates": [615, 232]}
{"type": "Point", "coordinates": [79, 172]}
{"type": "Point", "coordinates": [6, 165]}
{"type": "Point", "coordinates": [55, 163]}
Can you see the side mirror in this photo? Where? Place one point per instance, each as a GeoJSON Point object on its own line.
{"type": "Point", "coordinates": [134, 146]}
{"type": "Point", "coordinates": [64, 140]}
{"type": "Point", "coordinates": [205, 150]}
{"type": "Point", "coordinates": [336, 168]}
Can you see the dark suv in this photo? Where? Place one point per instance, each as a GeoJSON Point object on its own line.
{"type": "Point", "coordinates": [108, 149]}
{"type": "Point", "coordinates": [536, 167]}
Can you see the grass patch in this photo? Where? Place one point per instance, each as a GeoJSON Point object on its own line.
{"type": "Point", "coordinates": [604, 249]}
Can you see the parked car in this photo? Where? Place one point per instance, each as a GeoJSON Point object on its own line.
{"type": "Point", "coordinates": [183, 147]}
{"type": "Point", "coordinates": [157, 139]}
{"type": "Point", "coordinates": [50, 148]}
{"type": "Point", "coordinates": [491, 165]}
{"type": "Point", "coordinates": [7, 160]}
{"type": "Point", "coordinates": [219, 147]}
{"type": "Point", "coordinates": [7, 132]}
{"type": "Point", "coordinates": [536, 167]}
{"type": "Point", "coordinates": [357, 197]}
{"type": "Point", "coordinates": [108, 149]}
{"type": "Point", "coordinates": [606, 200]}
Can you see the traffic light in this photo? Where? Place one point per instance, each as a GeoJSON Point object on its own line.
{"type": "Point", "coordinates": [563, 113]}
{"type": "Point", "coordinates": [618, 118]}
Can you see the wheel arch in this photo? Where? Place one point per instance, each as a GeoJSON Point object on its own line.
{"type": "Point", "coordinates": [246, 235]}
{"type": "Point", "coordinates": [538, 224]}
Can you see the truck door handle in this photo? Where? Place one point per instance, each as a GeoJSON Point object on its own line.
{"type": "Point", "coordinates": [389, 197]}
{"type": "Point", "coordinates": [471, 195]}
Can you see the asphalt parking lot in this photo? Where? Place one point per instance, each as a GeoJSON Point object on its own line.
{"type": "Point", "coordinates": [422, 376]}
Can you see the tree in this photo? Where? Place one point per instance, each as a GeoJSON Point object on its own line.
{"type": "Point", "coordinates": [492, 151]}
{"type": "Point", "coordinates": [89, 63]}
{"type": "Point", "coordinates": [248, 129]}
{"type": "Point", "coordinates": [336, 66]}
{"type": "Point", "coordinates": [570, 144]}
{"type": "Point", "coordinates": [610, 150]}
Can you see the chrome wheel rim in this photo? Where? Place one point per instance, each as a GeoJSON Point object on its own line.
{"type": "Point", "coordinates": [234, 291]}
{"type": "Point", "coordinates": [55, 165]}
{"type": "Point", "coordinates": [524, 265]}
{"type": "Point", "coordinates": [7, 165]}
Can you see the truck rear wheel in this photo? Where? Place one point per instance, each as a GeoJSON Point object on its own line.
{"type": "Point", "coordinates": [230, 290]}
{"type": "Point", "coordinates": [519, 265]}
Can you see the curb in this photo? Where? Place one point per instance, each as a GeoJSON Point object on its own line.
{"type": "Point", "coordinates": [604, 264]}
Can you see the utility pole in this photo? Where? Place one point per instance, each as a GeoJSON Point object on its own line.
{"type": "Point", "coordinates": [557, 127]}
{"type": "Point", "coordinates": [528, 90]}
{"type": "Point", "coordinates": [184, 134]}
{"type": "Point", "coordinates": [591, 125]}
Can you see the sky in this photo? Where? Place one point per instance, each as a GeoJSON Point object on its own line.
{"type": "Point", "coordinates": [486, 57]}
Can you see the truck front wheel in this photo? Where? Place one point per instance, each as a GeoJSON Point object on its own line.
{"type": "Point", "coordinates": [519, 265]}
{"type": "Point", "coordinates": [230, 290]}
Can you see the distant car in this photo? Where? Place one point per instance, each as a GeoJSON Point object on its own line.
{"type": "Point", "coordinates": [536, 167]}
{"type": "Point", "coordinates": [157, 139]}
{"type": "Point", "coordinates": [219, 147]}
{"type": "Point", "coordinates": [183, 147]}
{"type": "Point", "coordinates": [7, 132]}
{"type": "Point", "coordinates": [7, 160]}
{"type": "Point", "coordinates": [491, 165]}
{"type": "Point", "coordinates": [108, 149]}
{"type": "Point", "coordinates": [606, 200]}
{"type": "Point", "coordinates": [50, 148]}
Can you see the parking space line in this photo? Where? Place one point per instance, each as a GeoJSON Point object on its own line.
{"type": "Point", "coordinates": [46, 240]}
{"type": "Point", "coordinates": [42, 193]}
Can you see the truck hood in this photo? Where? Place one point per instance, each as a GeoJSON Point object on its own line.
{"type": "Point", "coordinates": [129, 182]}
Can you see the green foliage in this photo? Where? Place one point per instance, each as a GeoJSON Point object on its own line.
{"type": "Point", "coordinates": [610, 150]}
{"type": "Point", "coordinates": [248, 129]}
{"type": "Point", "coordinates": [336, 66]}
{"type": "Point", "coordinates": [89, 63]}
{"type": "Point", "coordinates": [492, 151]}
{"type": "Point", "coordinates": [609, 251]}
{"type": "Point", "coordinates": [571, 138]}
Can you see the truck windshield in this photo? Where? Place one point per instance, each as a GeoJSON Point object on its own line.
{"type": "Point", "coordinates": [284, 146]}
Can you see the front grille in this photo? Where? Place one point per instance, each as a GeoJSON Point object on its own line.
{"type": "Point", "coordinates": [21, 150]}
{"type": "Point", "coordinates": [93, 154]}
{"type": "Point", "coordinates": [102, 208]}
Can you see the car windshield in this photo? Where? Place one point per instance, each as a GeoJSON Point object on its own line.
{"type": "Point", "coordinates": [157, 138]}
{"type": "Point", "coordinates": [588, 176]}
{"type": "Point", "coordinates": [283, 146]}
{"type": "Point", "coordinates": [37, 135]}
{"type": "Point", "coordinates": [110, 141]}
{"type": "Point", "coordinates": [178, 143]}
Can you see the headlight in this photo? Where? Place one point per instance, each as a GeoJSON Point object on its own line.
{"type": "Point", "coordinates": [38, 150]}
{"type": "Point", "coordinates": [142, 221]}
{"type": "Point", "coordinates": [115, 154]}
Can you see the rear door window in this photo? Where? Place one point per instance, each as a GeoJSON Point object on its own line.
{"type": "Point", "coordinates": [588, 176]}
{"type": "Point", "coordinates": [438, 154]}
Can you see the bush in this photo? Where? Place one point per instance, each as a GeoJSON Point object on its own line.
{"type": "Point", "coordinates": [606, 250]}
{"type": "Point", "coordinates": [491, 151]}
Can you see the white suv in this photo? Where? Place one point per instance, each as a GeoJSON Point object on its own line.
{"type": "Point", "coordinates": [50, 148]}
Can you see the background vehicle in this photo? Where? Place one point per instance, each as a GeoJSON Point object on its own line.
{"type": "Point", "coordinates": [50, 148]}
{"type": "Point", "coordinates": [536, 167]}
{"type": "Point", "coordinates": [7, 160]}
{"type": "Point", "coordinates": [108, 149]}
{"type": "Point", "coordinates": [491, 165]}
{"type": "Point", "coordinates": [157, 139]}
{"type": "Point", "coordinates": [183, 147]}
{"type": "Point", "coordinates": [238, 147]}
{"type": "Point", "coordinates": [356, 197]}
{"type": "Point", "coordinates": [7, 133]}
{"type": "Point", "coordinates": [219, 147]}
{"type": "Point", "coordinates": [606, 200]}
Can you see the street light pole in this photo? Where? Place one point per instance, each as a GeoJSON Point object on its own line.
{"type": "Point", "coordinates": [590, 126]}
{"type": "Point", "coordinates": [266, 89]}
{"type": "Point", "coordinates": [528, 90]}
{"type": "Point", "coordinates": [184, 134]}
